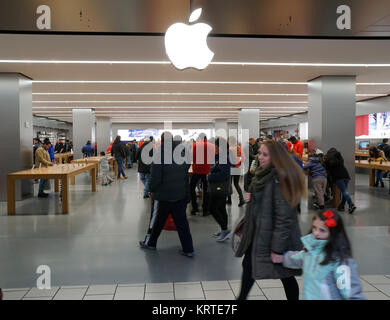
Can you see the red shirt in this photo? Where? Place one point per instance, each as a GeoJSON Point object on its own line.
{"type": "Point", "coordinates": [206, 151]}
{"type": "Point", "coordinates": [298, 148]}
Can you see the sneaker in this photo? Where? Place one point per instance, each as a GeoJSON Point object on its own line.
{"type": "Point", "coordinates": [351, 209]}
{"type": "Point", "coordinates": [316, 205]}
{"type": "Point", "coordinates": [241, 203]}
{"type": "Point", "coordinates": [224, 235]}
{"type": "Point", "coordinates": [340, 209]}
{"type": "Point", "coordinates": [109, 182]}
{"type": "Point", "coordinates": [187, 254]}
{"type": "Point", "coordinates": [146, 196]}
{"type": "Point", "coordinates": [43, 195]}
{"type": "Point", "coordinates": [382, 184]}
{"type": "Point", "coordinates": [216, 235]}
{"type": "Point", "coordinates": [143, 245]}
{"type": "Point", "coordinates": [125, 177]}
{"type": "Point", "coordinates": [104, 184]}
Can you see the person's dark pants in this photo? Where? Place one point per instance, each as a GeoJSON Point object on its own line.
{"type": "Point", "coordinates": [342, 184]}
{"type": "Point", "coordinates": [178, 211]}
{"type": "Point", "coordinates": [290, 284]}
{"type": "Point", "coordinates": [120, 167]}
{"type": "Point", "coordinates": [236, 181]}
{"type": "Point", "coordinates": [379, 176]}
{"type": "Point", "coordinates": [194, 181]}
{"type": "Point", "coordinates": [218, 210]}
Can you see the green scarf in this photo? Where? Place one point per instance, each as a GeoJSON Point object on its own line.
{"type": "Point", "coordinates": [261, 177]}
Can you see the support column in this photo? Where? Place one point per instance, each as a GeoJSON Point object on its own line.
{"type": "Point", "coordinates": [249, 119]}
{"type": "Point", "coordinates": [332, 112]}
{"type": "Point", "coordinates": [83, 130]}
{"type": "Point", "coordinates": [103, 133]}
{"type": "Point", "coordinates": [221, 128]}
{"type": "Point", "coordinates": [16, 123]}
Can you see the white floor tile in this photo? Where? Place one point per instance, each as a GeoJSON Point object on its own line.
{"type": "Point", "coordinates": [39, 298]}
{"type": "Point", "coordinates": [159, 296]}
{"type": "Point", "coordinates": [16, 289]}
{"type": "Point", "coordinates": [132, 285]}
{"type": "Point", "coordinates": [219, 295]}
{"type": "Point", "coordinates": [385, 288]}
{"type": "Point", "coordinates": [274, 293]}
{"type": "Point", "coordinates": [159, 287]}
{"type": "Point", "coordinates": [256, 298]}
{"type": "Point", "coordinates": [270, 283]}
{"type": "Point", "coordinates": [376, 279]}
{"type": "Point", "coordinates": [99, 297]}
{"type": "Point", "coordinates": [129, 293]}
{"type": "Point", "coordinates": [234, 281]}
{"type": "Point", "coordinates": [70, 294]}
{"type": "Point", "coordinates": [188, 291]}
{"type": "Point", "coordinates": [215, 285]}
{"type": "Point", "coordinates": [366, 287]}
{"type": "Point", "coordinates": [255, 291]}
{"type": "Point", "coordinates": [193, 299]}
{"type": "Point", "coordinates": [37, 293]}
{"type": "Point", "coordinates": [74, 287]}
{"type": "Point", "coordinates": [14, 295]}
{"type": "Point", "coordinates": [198, 282]}
{"type": "Point", "coordinates": [101, 289]}
{"type": "Point", "coordinates": [375, 296]}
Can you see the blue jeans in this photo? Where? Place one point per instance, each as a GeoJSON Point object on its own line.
{"type": "Point", "coordinates": [120, 167]}
{"type": "Point", "coordinates": [41, 186]}
{"type": "Point", "coordinates": [145, 178]}
{"type": "Point", "coordinates": [129, 163]}
{"type": "Point", "coordinates": [379, 176]}
{"type": "Point", "coordinates": [342, 184]}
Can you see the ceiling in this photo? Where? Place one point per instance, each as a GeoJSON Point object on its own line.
{"type": "Point", "coordinates": [157, 92]}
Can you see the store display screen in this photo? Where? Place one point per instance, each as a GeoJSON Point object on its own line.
{"type": "Point", "coordinates": [364, 144]}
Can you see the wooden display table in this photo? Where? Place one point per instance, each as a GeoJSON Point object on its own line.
{"type": "Point", "coordinates": [61, 172]}
{"type": "Point", "coordinates": [373, 165]}
{"type": "Point", "coordinates": [362, 154]}
{"type": "Point", "coordinates": [95, 160]}
{"type": "Point", "coordinates": [62, 157]}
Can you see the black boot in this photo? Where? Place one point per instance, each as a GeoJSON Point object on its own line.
{"type": "Point", "coordinates": [376, 184]}
{"type": "Point", "coordinates": [229, 201]}
{"type": "Point", "coordinates": [382, 184]}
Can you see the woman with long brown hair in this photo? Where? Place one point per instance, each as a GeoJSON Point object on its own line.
{"type": "Point", "coordinates": [271, 225]}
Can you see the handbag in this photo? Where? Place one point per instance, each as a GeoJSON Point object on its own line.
{"type": "Point", "coordinates": [170, 224]}
{"type": "Point", "coordinates": [220, 187]}
{"type": "Point", "coordinates": [237, 235]}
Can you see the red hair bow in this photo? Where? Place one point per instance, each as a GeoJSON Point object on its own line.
{"type": "Point", "coordinates": [330, 222]}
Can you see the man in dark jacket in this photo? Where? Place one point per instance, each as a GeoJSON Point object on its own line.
{"type": "Point", "coordinates": [128, 155]}
{"type": "Point", "coordinates": [88, 150]}
{"type": "Point", "coordinates": [385, 147]}
{"type": "Point", "coordinates": [118, 151]}
{"type": "Point", "coordinates": [170, 188]}
{"type": "Point", "coordinates": [144, 168]}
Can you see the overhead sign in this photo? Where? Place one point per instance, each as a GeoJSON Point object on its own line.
{"type": "Point", "coordinates": [307, 18]}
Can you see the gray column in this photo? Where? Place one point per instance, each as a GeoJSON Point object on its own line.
{"type": "Point", "coordinates": [83, 129]}
{"type": "Point", "coordinates": [332, 112]}
{"type": "Point", "coordinates": [249, 119]}
{"type": "Point", "coordinates": [103, 133]}
{"type": "Point", "coordinates": [16, 123]}
{"type": "Point", "coordinates": [221, 128]}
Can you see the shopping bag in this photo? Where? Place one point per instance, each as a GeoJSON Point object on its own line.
{"type": "Point", "coordinates": [169, 224]}
{"type": "Point", "coordinates": [237, 235]}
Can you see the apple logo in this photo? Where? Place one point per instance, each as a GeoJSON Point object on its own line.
{"type": "Point", "coordinates": [186, 45]}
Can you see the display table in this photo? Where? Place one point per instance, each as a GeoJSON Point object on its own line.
{"type": "Point", "coordinates": [373, 165]}
{"type": "Point", "coordinates": [62, 157]}
{"type": "Point", "coordinates": [95, 160]}
{"type": "Point", "coordinates": [58, 173]}
{"type": "Point", "coordinates": [362, 154]}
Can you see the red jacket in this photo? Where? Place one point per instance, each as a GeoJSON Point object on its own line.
{"type": "Point", "coordinates": [298, 148]}
{"type": "Point", "coordinates": [202, 166]}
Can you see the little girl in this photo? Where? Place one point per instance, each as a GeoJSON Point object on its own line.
{"type": "Point", "coordinates": [329, 272]}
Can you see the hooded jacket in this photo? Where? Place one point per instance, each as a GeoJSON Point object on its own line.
{"type": "Point", "coordinates": [334, 281]}
{"type": "Point", "coordinates": [315, 167]}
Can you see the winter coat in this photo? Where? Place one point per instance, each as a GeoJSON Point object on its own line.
{"type": "Point", "coordinates": [143, 167]}
{"type": "Point", "coordinates": [276, 230]}
{"type": "Point", "coordinates": [386, 150]}
{"type": "Point", "coordinates": [219, 171]}
{"type": "Point", "coordinates": [51, 152]}
{"type": "Point", "coordinates": [315, 167]}
{"type": "Point", "coordinates": [42, 157]}
{"type": "Point", "coordinates": [88, 150]}
{"type": "Point", "coordinates": [334, 163]}
{"type": "Point", "coordinates": [118, 150]}
{"type": "Point", "coordinates": [202, 166]}
{"type": "Point", "coordinates": [104, 166]}
{"type": "Point", "coordinates": [320, 282]}
{"type": "Point", "coordinates": [169, 182]}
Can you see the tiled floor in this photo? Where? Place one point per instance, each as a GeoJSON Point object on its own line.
{"type": "Point", "coordinates": [375, 287]}
{"type": "Point", "coordinates": [97, 243]}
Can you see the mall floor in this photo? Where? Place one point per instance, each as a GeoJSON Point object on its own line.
{"type": "Point", "coordinates": [93, 251]}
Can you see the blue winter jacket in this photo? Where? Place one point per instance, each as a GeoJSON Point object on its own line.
{"type": "Point", "coordinates": [316, 168]}
{"type": "Point", "coordinates": [51, 152]}
{"type": "Point", "coordinates": [334, 281]}
{"type": "Point", "coordinates": [88, 150]}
